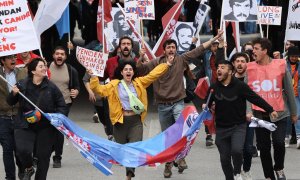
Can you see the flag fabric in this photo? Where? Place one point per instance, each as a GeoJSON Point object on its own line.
{"type": "Point", "coordinates": [172, 144]}
{"type": "Point", "coordinates": [169, 21]}
{"type": "Point", "coordinates": [202, 87]}
{"type": "Point", "coordinates": [103, 17]}
{"type": "Point", "coordinates": [63, 24]}
{"type": "Point", "coordinates": [48, 13]}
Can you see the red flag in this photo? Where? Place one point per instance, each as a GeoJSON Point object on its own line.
{"type": "Point", "coordinates": [210, 123]}
{"type": "Point", "coordinates": [105, 8]}
{"type": "Point", "coordinates": [169, 21]}
{"type": "Point", "coordinates": [202, 87]}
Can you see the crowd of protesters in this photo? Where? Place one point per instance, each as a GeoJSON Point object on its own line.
{"type": "Point", "coordinates": [28, 139]}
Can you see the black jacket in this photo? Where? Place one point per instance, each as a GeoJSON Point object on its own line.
{"type": "Point", "coordinates": [230, 100]}
{"type": "Point", "coordinates": [46, 96]}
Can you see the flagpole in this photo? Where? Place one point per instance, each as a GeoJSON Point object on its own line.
{"type": "Point", "coordinates": [142, 32]}
{"type": "Point", "coordinates": [165, 31]}
{"type": "Point", "coordinates": [260, 27]}
{"type": "Point", "coordinates": [103, 37]}
{"type": "Point", "coordinates": [69, 34]}
{"type": "Point", "coordinates": [1, 77]}
{"type": "Point", "coordinates": [223, 25]}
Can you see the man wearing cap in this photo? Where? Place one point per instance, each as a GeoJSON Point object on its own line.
{"type": "Point", "coordinates": [294, 69]}
{"type": "Point", "coordinates": [7, 112]}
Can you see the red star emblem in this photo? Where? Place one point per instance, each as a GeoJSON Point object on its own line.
{"type": "Point", "coordinates": [3, 39]}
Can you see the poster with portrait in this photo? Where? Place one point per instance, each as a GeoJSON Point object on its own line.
{"type": "Point", "coordinates": [200, 16]}
{"type": "Point", "coordinates": [240, 10]}
{"type": "Point", "coordinates": [184, 32]}
{"type": "Point", "coordinates": [118, 27]}
{"type": "Point", "coordinates": [293, 23]}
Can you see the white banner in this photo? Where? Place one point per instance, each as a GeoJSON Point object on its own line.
{"type": "Point", "coordinates": [293, 23]}
{"type": "Point", "coordinates": [96, 61]}
{"type": "Point", "coordinates": [139, 9]}
{"type": "Point", "coordinates": [240, 10]}
{"type": "Point", "coordinates": [17, 33]}
{"type": "Point", "coordinates": [269, 15]}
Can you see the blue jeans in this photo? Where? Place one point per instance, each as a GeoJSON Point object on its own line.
{"type": "Point", "coordinates": [7, 143]}
{"type": "Point", "coordinates": [169, 113]}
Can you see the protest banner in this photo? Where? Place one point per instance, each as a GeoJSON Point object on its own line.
{"type": "Point", "coordinates": [269, 15]}
{"type": "Point", "coordinates": [139, 9]}
{"type": "Point", "coordinates": [17, 33]}
{"type": "Point", "coordinates": [96, 61]}
{"type": "Point", "coordinates": [292, 22]}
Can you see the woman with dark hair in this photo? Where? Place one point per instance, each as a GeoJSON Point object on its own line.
{"type": "Point", "coordinates": [31, 127]}
{"type": "Point", "coordinates": [127, 113]}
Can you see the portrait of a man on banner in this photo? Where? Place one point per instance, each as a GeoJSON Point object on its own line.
{"type": "Point", "coordinates": [240, 10]}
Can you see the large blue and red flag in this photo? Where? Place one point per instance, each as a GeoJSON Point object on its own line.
{"type": "Point", "coordinates": [172, 144]}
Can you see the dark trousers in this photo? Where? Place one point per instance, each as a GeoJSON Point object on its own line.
{"type": "Point", "coordinates": [59, 140]}
{"type": "Point", "coordinates": [26, 139]}
{"type": "Point", "coordinates": [230, 142]}
{"type": "Point", "coordinates": [263, 139]}
{"type": "Point", "coordinates": [130, 131]}
{"type": "Point", "coordinates": [7, 142]}
{"type": "Point", "coordinates": [103, 114]}
{"type": "Point", "coordinates": [248, 148]}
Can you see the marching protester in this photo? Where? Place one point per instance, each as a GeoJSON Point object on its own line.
{"type": "Point", "coordinates": [65, 77]}
{"type": "Point", "coordinates": [128, 96]}
{"type": "Point", "coordinates": [8, 113]}
{"type": "Point", "coordinates": [31, 127]}
{"type": "Point", "coordinates": [276, 88]}
{"type": "Point", "coordinates": [169, 89]}
{"type": "Point", "coordinates": [125, 54]}
{"type": "Point", "coordinates": [293, 65]}
{"type": "Point", "coordinates": [100, 105]}
{"type": "Point", "coordinates": [239, 62]}
{"type": "Point", "coordinates": [230, 95]}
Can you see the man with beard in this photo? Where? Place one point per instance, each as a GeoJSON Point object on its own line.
{"type": "Point", "coordinates": [240, 11]}
{"type": "Point", "coordinates": [271, 80]}
{"type": "Point", "coordinates": [124, 54]}
{"type": "Point", "coordinates": [65, 77]}
{"type": "Point", "coordinates": [230, 95]}
{"type": "Point", "coordinates": [169, 92]}
{"type": "Point", "coordinates": [12, 74]}
{"type": "Point", "coordinates": [184, 34]}
{"type": "Point", "coordinates": [239, 61]}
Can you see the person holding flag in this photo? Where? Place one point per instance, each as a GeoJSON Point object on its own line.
{"type": "Point", "coordinates": [230, 95]}
{"type": "Point", "coordinates": [128, 96]}
{"type": "Point", "coordinates": [31, 127]}
{"type": "Point", "coordinates": [169, 89]}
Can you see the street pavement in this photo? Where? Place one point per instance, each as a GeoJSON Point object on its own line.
{"type": "Point", "coordinates": [203, 163]}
